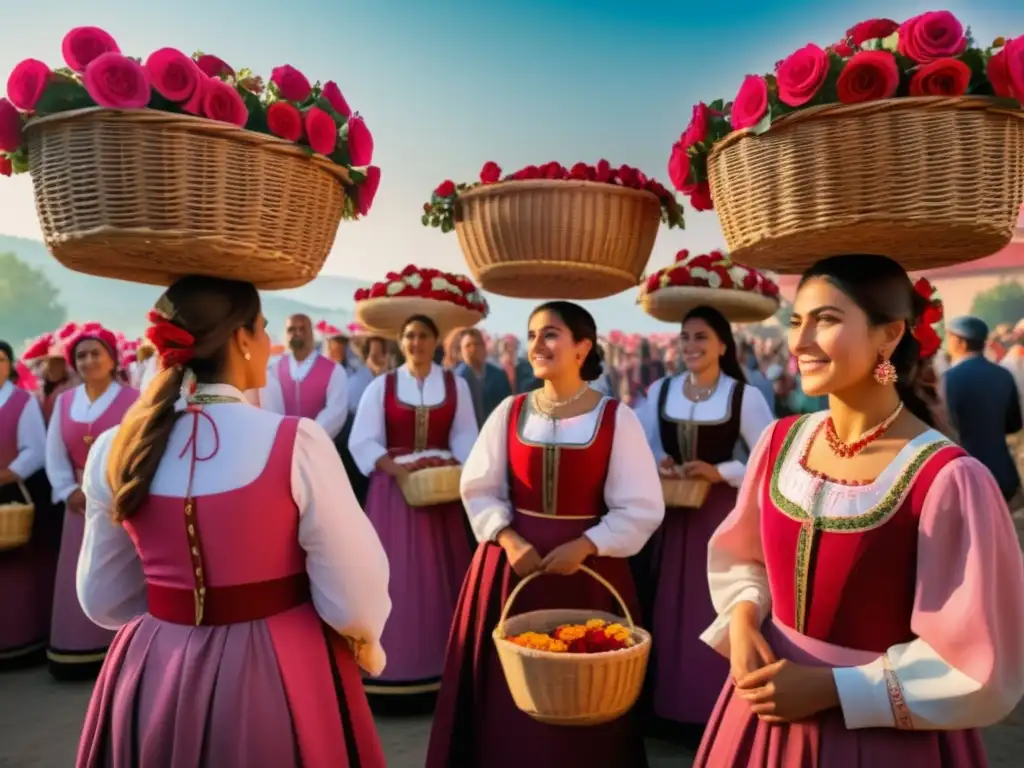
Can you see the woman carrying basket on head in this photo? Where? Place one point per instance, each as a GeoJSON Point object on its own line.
{"type": "Point", "coordinates": [225, 542]}
{"type": "Point", "coordinates": [559, 477]}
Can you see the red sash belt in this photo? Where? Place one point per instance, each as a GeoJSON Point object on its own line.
{"type": "Point", "coordinates": [229, 605]}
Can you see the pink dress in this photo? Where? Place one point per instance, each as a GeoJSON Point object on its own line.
{"type": "Point", "coordinates": [77, 646]}
{"type": "Point", "coordinates": [232, 665]}
{"type": "Point", "coordinates": [910, 588]}
{"type": "Point", "coordinates": [308, 397]}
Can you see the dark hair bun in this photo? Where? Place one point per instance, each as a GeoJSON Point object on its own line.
{"type": "Point", "coordinates": [591, 368]}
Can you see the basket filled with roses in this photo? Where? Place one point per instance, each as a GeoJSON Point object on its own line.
{"type": "Point", "coordinates": [147, 170]}
{"type": "Point", "coordinates": [905, 139]}
{"type": "Point", "coordinates": [572, 667]}
{"type": "Point", "coordinates": [742, 294]}
{"type": "Point", "coordinates": [579, 232]}
{"type": "Point", "coordinates": [451, 301]}
{"type": "Point", "coordinates": [432, 478]}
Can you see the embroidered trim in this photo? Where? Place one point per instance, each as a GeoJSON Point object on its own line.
{"type": "Point", "coordinates": [898, 702]}
{"type": "Point", "coordinates": [729, 396]}
{"type": "Point", "coordinates": [804, 550]}
{"type": "Point", "coordinates": [549, 490]}
{"type": "Point", "coordinates": [528, 409]}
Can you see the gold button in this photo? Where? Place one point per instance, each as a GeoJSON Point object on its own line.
{"type": "Point", "coordinates": [191, 530]}
{"type": "Point", "coordinates": [195, 551]}
{"type": "Point", "coordinates": [199, 571]}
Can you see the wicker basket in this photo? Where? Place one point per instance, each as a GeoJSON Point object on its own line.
{"type": "Point", "coordinates": [671, 303]}
{"type": "Point", "coordinates": [385, 316]}
{"type": "Point", "coordinates": [431, 486]}
{"type": "Point", "coordinates": [926, 181]}
{"type": "Point", "coordinates": [688, 492]}
{"type": "Point", "coordinates": [570, 688]}
{"type": "Point", "coordinates": [557, 239]}
{"type": "Point", "coordinates": [150, 196]}
{"type": "Point", "coordinates": [16, 521]}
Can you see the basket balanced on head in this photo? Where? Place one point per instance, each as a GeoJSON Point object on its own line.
{"type": "Point", "coordinates": [549, 231]}
{"type": "Point", "coordinates": [903, 139]}
{"type": "Point", "coordinates": [451, 301]}
{"type": "Point", "coordinates": [181, 165]}
{"type": "Point", "coordinates": [567, 688]}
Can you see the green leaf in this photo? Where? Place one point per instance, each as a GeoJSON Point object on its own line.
{"type": "Point", "coordinates": [63, 94]}
{"type": "Point", "coordinates": [891, 43]}
{"type": "Point", "coordinates": [717, 105]}
{"type": "Point", "coordinates": [257, 113]}
{"type": "Point", "coordinates": [358, 177]}
{"type": "Point", "coordinates": [763, 124]}
{"type": "Point", "coordinates": [447, 226]}
{"type": "Point", "coordinates": [19, 160]}
{"type": "Point", "coordinates": [425, 220]}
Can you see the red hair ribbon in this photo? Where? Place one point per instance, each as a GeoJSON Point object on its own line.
{"type": "Point", "coordinates": [924, 330]}
{"type": "Point", "coordinates": [173, 344]}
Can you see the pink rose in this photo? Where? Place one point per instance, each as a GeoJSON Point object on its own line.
{"type": "Point", "coordinates": [700, 196]}
{"type": "Point", "coordinates": [801, 76]}
{"type": "Point", "coordinates": [10, 127]}
{"type": "Point", "coordinates": [841, 49]}
{"type": "Point", "coordinates": [998, 73]}
{"type": "Point", "coordinates": [117, 82]}
{"type": "Point", "coordinates": [174, 75]}
{"type": "Point", "coordinates": [321, 131]}
{"type": "Point", "coordinates": [291, 84]}
{"type": "Point", "coordinates": [1014, 52]}
{"type": "Point", "coordinates": [285, 120]}
{"type": "Point", "coordinates": [213, 66]}
{"type": "Point", "coordinates": [27, 83]}
{"type": "Point", "coordinates": [368, 189]}
{"type": "Point", "coordinates": [751, 102]}
{"type": "Point", "coordinates": [6, 169]}
{"type": "Point", "coordinates": [868, 76]}
{"type": "Point", "coordinates": [333, 95]}
{"type": "Point", "coordinates": [222, 102]}
{"type": "Point", "coordinates": [697, 130]}
{"type": "Point", "coordinates": [872, 29]}
{"type": "Point", "coordinates": [932, 36]}
{"type": "Point", "coordinates": [678, 165]}
{"type": "Point", "coordinates": [360, 142]}
{"type": "Point", "coordinates": [84, 44]}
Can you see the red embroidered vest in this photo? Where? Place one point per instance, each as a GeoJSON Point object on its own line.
{"type": "Point", "coordinates": [308, 397]}
{"type": "Point", "coordinates": [560, 480]}
{"type": "Point", "coordinates": [414, 428]}
{"type": "Point", "coordinates": [10, 418]}
{"type": "Point", "coordinates": [848, 581]}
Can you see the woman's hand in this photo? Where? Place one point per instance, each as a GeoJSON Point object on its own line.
{"type": "Point", "coordinates": [702, 470]}
{"type": "Point", "coordinates": [521, 555]}
{"type": "Point", "coordinates": [76, 502]}
{"type": "Point", "coordinates": [785, 692]}
{"type": "Point", "coordinates": [749, 651]}
{"type": "Point", "coordinates": [566, 559]}
{"type": "Point", "coordinates": [668, 466]}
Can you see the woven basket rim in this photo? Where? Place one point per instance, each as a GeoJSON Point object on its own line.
{"type": "Point", "coordinates": [641, 644]}
{"type": "Point", "coordinates": [839, 111]}
{"type": "Point", "coordinates": [450, 306]}
{"type": "Point", "coordinates": [682, 298]}
{"type": "Point", "coordinates": [509, 187]}
{"type": "Point", "coordinates": [199, 125]}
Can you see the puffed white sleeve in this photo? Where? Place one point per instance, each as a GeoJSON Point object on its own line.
{"type": "Point", "coordinates": [110, 582]}
{"type": "Point", "coordinates": [31, 441]}
{"type": "Point", "coordinates": [464, 431]}
{"type": "Point", "coordinates": [755, 417]}
{"type": "Point", "coordinates": [632, 492]}
{"type": "Point", "coordinates": [335, 411]}
{"type": "Point", "coordinates": [736, 567]}
{"type": "Point", "coordinates": [346, 563]}
{"type": "Point", "coordinates": [484, 484]}
{"type": "Point", "coordinates": [367, 441]}
{"type": "Point", "coordinates": [648, 415]}
{"type": "Point", "coordinates": [965, 667]}
{"type": "Point", "coordinates": [59, 470]}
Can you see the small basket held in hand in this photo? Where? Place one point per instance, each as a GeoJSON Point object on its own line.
{"type": "Point", "coordinates": [431, 486]}
{"type": "Point", "coordinates": [16, 521]}
{"type": "Point", "coordinates": [571, 688]}
{"type": "Point", "coordinates": [688, 492]}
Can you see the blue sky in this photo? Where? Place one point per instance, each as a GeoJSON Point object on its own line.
{"type": "Point", "coordinates": [448, 84]}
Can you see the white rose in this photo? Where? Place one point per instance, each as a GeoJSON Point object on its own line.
{"type": "Point", "coordinates": [395, 288]}
{"type": "Point", "coordinates": [414, 280]}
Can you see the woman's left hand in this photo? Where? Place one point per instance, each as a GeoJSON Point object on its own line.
{"type": "Point", "coordinates": [567, 558]}
{"type": "Point", "coordinates": [786, 692]}
{"type": "Point", "coordinates": [702, 470]}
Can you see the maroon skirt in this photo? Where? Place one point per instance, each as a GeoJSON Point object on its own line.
{"type": "Point", "coordinates": [476, 724]}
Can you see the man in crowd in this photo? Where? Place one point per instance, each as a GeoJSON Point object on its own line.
{"type": "Point", "coordinates": [487, 382]}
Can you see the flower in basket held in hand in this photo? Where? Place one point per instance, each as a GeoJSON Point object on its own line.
{"type": "Point", "coordinates": [596, 636]}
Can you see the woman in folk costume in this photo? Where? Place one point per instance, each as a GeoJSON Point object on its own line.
{"type": "Point", "coordinates": [703, 423]}
{"type": "Point", "coordinates": [869, 583]}
{"type": "Point", "coordinates": [47, 355]}
{"type": "Point", "coordinates": [559, 477]}
{"type": "Point", "coordinates": [225, 543]}
{"type": "Point", "coordinates": [80, 416]}
{"type": "Point", "coordinates": [26, 571]}
{"type": "Point", "coordinates": [415, 411]}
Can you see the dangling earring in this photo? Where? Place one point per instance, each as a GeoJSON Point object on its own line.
{"type": "Point", "coordinates": [247, 356]}
{"type": "Point", "coordinates": [885, 372]}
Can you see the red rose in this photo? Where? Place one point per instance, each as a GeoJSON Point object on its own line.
{"type": "Point", "coordinates": [291, 84]}
{"type": "Point", "coordinates": [10, 127]}
{"type": "Point", "coordinates": [628, 176]}
{"type": "Point", "coordinates": [360, 142]}
{"type": "Point", "coordinates": [445, 189]}
{"type": "Point", "coordinates": [842, 49]}
{"type": "Point", "coordinates": [1014, 50]}
{"type": "Point", "coordinates": [682, 255]}
{"type": "Point", "coordinates": [529, 172]}
{"type": "Point", "coordinates": [285, 120]}
{"type": "Point", "coordinates": [5, 166]}
{"type": "Point", "coordinates": [222, 102]}
{"type": "Point", "coordinates": [378, 290]}
{"type": "Point", "coordinates": [213, 66]}
{"type": "Point", "coordinates": [553, 170]}
{"type": "Point", "coordinates": [83, 44]}
{"type": "Point", "coordinates": [490, 173]}
{"type": "Point", "coordinates": [932, 36]}
{"type": "Point", "coordinates": [872, 29]}
{"type": "Point", "coordinates": [697, 130]}
{"type": "Point", "coordinates": [321, 131]}
{"type": "Point", "coordinates": [678, 166]}
{"type": "Point", "coordinates": [603, 171]}
{"type": "Point", "coordinates": [801, 76]}
{"type": "Point", "coordinates": [174, 75]}
{"type": "Point", "coordinates": [751, 102]}
{"type": "Point", "coordinates": [580, 171]}
{"type": "Point", "coordinates": [680, 276]}
{"type": "Point", "coordinates": [334, 97]}
{"type": "Point", "coordinates": [362, 294]}
{"type": "Point", "coordinates": [700, 196]}
{"type": "Point", "coordinates": [27, 83]}
{"type": "Point", "coordinates": [945, 77]}
{"type": "Point", "coordinates": [998, 73]}
{"type": "Point", "coordinates": [868, 76]}
{"type": "Point", "coordinates": [653, 283]}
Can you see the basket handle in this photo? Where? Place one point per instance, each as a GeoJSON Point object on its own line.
{"type": "Point", "coordinates": [589, 571]}
{"type": "Point", "coordinates": [24, 491]}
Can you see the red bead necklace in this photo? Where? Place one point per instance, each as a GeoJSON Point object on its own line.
{"type": "Point", "coordinates": [848, 451]}
{"type": "Point", "coordinates": [821, 475]}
